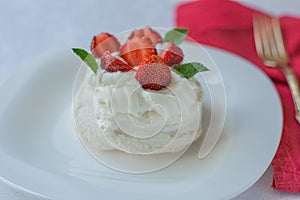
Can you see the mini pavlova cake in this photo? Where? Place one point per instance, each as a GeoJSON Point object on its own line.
{"type": "Point", "coordinates": [142, 99]}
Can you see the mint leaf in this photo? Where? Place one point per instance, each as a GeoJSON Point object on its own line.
{"type": "Point", "coordinates": [176, 36]}
{"type": "Point", "coordinates": [188, 70]}
{"type": "Point", "coordinates": [87, 58]}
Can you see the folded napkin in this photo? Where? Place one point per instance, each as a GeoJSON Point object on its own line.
{"type": "Point", "coordinates": [228, 25]}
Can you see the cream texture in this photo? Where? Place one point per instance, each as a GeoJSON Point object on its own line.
{"type": "Point", "coordinates": [112, 111]}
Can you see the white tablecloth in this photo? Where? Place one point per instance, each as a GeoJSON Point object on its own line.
{"type": "Point", "coordinates": [32, 27]}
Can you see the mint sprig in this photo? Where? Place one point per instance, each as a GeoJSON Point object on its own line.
{"type": "Point", "coordinates": [87, 58]}
{"type": "Point", "coordinates": [176, 36]}
{"type": "Point", "coordinates": [188, 70]}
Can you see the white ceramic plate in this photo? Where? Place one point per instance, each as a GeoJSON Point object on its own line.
{"type": "Point", "coordinates": [39, 151]}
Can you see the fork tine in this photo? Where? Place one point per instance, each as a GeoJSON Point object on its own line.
{"type": "Point", "coordinates": [265, 36]}
{"type": "Point", "coordinates": [263, 40]}
{"type": "Point", "coordinates": [269, 31]}
{"type": "Point", "coordinates": [279, 39]}
{"type": "Point", "coordinates": [258, 36]}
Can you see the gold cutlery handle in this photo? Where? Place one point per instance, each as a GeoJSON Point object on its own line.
{"type": "Point", "coordinates": [294, 87]}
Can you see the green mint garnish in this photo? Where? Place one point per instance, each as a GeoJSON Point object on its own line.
{"type": "Point", "coordinates": [87, 58]}
{"type": "Point", "coordinates": [188, 70]}
{"type": "Point", "coordinates": [176, 36]}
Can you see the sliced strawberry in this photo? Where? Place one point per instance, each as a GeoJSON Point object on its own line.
{"type": "Point", "coordinates": [135, 50]}
{"type": "Point", "coordinates": [153, 35]}
{"type": "Point", "coordinates": [104, 42]}
{"type": "Point", "coordinates": [172, 55]}
{"type": "Point", "coordinates": [147, 32]}
{"type": "Point", "coordinates": [113, 64]}
{"type": "Point", "coordinates": [154, 76]}
{"type": "Point", "coordinates": [152, 59]}
{"type": "Point", "coordinates": [137, 33]}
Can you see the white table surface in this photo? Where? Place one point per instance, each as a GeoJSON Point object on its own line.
{"type": "Point", "coordinates": [33, 27]}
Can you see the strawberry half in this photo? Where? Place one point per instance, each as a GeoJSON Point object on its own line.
{"type": "Point", "coordinates": [113, 64]}
{"type": "Point", "coordinates": [172, 55]}
{"type": "Point", "coordinates": [152, 59]}
{"type": "Point", "coordinates": [135, 50]}
{"type": "Point", "coordinates": [104, 42]}
{"type": "Point", "coordinates": [147, 32]}
{"type": "Point", "coordinates": [154, 76]}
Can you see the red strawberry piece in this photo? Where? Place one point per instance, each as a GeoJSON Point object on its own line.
{"type": "Point", "coordinates": [154, 76]}
{"type": "Point", "coordinates": [104, 42]}
{"type": "Point", "coordinates": [152, 59]}
{"type": "Point", "coordinates": [135, 50]}
{"type": "Point", "coordinates": [153, 35]}
{"type": "Point", "coordinates": [137, 33]}
{"type": "Point", "coordinates": [172, 55]}
{"type": "Point", "coordinates": [147, 32]}
{"type": "Point", "coordinates": [113, 64]}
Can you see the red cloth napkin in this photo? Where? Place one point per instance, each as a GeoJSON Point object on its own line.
{"type": "Point", "coordinates": [228, 25]}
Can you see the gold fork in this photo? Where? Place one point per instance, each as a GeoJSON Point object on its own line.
{"type": "Point", "coordinates": [270, 48]}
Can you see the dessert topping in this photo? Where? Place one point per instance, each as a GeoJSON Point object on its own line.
{"type": "Point", "coordinates": [152, 59]}
{"type": "Point", "coordinates": [87, 58]}
{"type": "Point", "coordinates": [188, 70]}
{"type": "Point", "coordinates": [113, 64]}
{"type": "Point", "coordinates": [137, 49]}
{"type": "Point", "coordinates": [154, 71]}
{"type": "Point", "coordinates": [147, 32]}
{"type": "Point", "coordinates": [173, 55]}
{"type": "Point", "coordinates": [104, 42]}
{"type": "Point", "coordinates": [154, 76]}
{"type": "Point", "coordinates": [177, 35]}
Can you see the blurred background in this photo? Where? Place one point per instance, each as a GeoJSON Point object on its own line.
{"type": "Point", "coordinates": [29, 28]}
{"type": "Point", "coordinates": [33, 27]}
